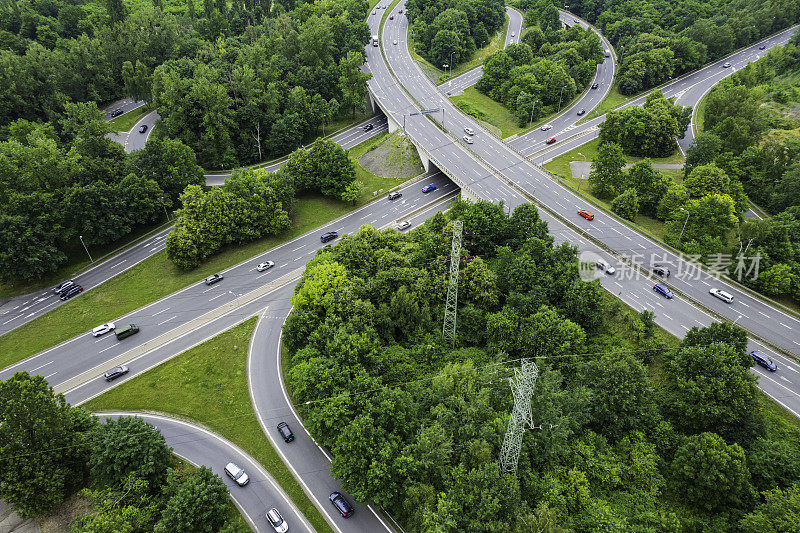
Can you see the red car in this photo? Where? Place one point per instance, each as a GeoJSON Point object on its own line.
{"type": "Point", "coordinates": [588, 215]}
{"type": "Point", "coordinates": [551, 140]}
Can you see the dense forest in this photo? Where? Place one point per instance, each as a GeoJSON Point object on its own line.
{"type": "Point", "coordinates": [234, 85]}
{"type": "Point", "coordinates": [53, 191]}
{"type": "Point", "coordinates": [548, 67]}
{"type": "Point", "coordinates": [635, 435]}
{"type": "Point", "coordinates": [50, 450]}
{"type": "Point", "coordinates": [660, 39]}
{"type": "Point", "coordinates": [449, 31]}
{"type": "Point", "coordinates": [751, 137]}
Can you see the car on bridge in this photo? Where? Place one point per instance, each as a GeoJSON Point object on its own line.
{"type": "Point", "coordinates": [428, 188]}
{"type": "Point", "coordinates": [664, 291]}
{"type": "Point", "coordinates": [585, 213]}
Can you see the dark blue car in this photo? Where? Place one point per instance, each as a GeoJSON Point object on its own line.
{"type": "Point", "coordinates": [429, 187]}
{"type": "Point", "coordinates": [764, 360]}
{"type": "Point", "coordinates": [663, 290]}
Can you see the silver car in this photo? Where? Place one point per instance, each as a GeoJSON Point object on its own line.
{"type": "Point", "coordinates": [102, 330]}
{"type": "Point", "coordinates": [546, 127]}
{"type": "Point", "coordinates": [468, 139]}
{"type": "Point", "coordinates": [403, 225]}
{"type": "Point", "coordinates": [237, 474]}
{"type": "Point", "coordinates": [276, 521]}
{"type": "Point", "coordinates": [265, 266]}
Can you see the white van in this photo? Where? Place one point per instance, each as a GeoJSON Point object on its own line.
{"type": "Point", "coordinates": [722, 295]}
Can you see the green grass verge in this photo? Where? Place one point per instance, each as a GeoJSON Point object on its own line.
{"type": "Point", "coordinates": [700, 113]}
{"type": "Point", "coordinates": [483, 108]}
{"type": "Point", "coordinates": [157, 277]}
{"type": "Point", "coordinates": [613, 99]}
{"type": "Point", "coordinates": [126, 121]}
{"type": "Point", "coordinates": [183, 386]}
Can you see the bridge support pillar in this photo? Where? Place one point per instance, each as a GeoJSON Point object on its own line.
{"type": "Point", "coordinates": [392, 125]}
{"type": "Point", "coordinates": [426, 163]}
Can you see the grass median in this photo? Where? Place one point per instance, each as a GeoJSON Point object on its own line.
{"type": "Point", "coordinates": [207, 384]}
{"type": "Point", "coordinates": [157, 277]}
{"type": "Point", "coordinates": [125, 122]}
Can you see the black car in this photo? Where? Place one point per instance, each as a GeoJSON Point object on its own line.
{"type": "Point", "coordinates": [661, 271]}
{"type": "Point", "coordinates": [368, 127]}
{"type": "Point", "coordinates": [327, 237]}
{"type": "Point", "coordinates": [116, 372]}
{"type": "Point", "coordinates": [341, 504]}
{"type": "Point", "coordinates": [143, 128]}
{"type": "Point", "coordinates": [395, 195]}
{"type": "Point", "coordinates": [71, 291]}
{"type": "Point", "coordinates": [210, 280]}
{"type": "Point", "coordinates": [595, 86]}
{"type": "Point", "coordinates": [63, 286]}
{"type": "Point", "coordinates": [764, 360]}
{"type": "Point", "coordinates": [286, 433]}
{"type": "Point", "coordinates": [116, 112]}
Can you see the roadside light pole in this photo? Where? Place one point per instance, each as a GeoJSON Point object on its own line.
{"type": "Point", "coordinates": [165, 208]}
{"type": "Point", "coordinates": [530, 122]}
{"type": "Point", "coordinates": [560, 97]}
{"type": "Point", "coordinates": [684, 224]}
{"type": "Point", "coordinates": [85, 248]}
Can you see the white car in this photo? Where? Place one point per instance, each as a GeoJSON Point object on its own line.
{"type": "Point", "coordinates": [722, 295]}
{"type": "Point", "coordinates": [102, 330]}
{"type": "Point", "coordinates": [605, 267]}
{"type": "Point", "coordinates": [513, 34]}
{"type": "Point", "coordinates": [236, 474]}
{"type": "Point", "coordinates": [276, 521]}
{"type": "Point", "coordinates": [726, 65]}
{"type": "Point", "coordinates": [265, 266]}
{"type": "Point", "coordinates": [395, 41]}
{"type": "Point", "coordinates": [403, 225]}
{"type": "Point", "coordinates": [469, 131]}
{"type": "Point", "coordinates": [547, 127]}
{"type": "Point", "coordinates": [467, 139]}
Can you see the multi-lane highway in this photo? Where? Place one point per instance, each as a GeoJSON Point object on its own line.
{"type": "Point", "coordinates": [202, 447]}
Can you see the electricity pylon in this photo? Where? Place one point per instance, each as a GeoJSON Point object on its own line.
{"type": "Point", "coordinates": [449, 328]}
{"type": "Point", "coordinates": [521, 417]}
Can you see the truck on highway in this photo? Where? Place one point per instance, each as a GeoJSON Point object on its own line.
{"type": "Point", "coordinates": [374, 40]}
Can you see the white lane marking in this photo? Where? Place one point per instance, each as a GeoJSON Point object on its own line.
{"type": "Point", "coordinates": [167, 320]}
{"type": "Point", "coordinates": [283, 265]}
{"type": "Point", "coordinates": [38, 367]}
{"type": "Point", "coordinates": [666, 315]}
{"type": "Point", "coordinates": [104, 349]}
{"type": "Point", "coordinates": [7, 321]}
{"type": "Point", "coordinates": [48, 376]}
{"type": "Point", "coordinates": [209, 289]}
{"type": "Point", "coordinates": [217, 296]}
{"type": "Point", "coordinates": [299, 247]}
{"type": "Point", "coordinates": [784, 325]}
{"type": "Point", "coordinates": [744, 304]}
{"type": "Point", "coordinates": [165, 309]}
{"type": "Point", "coordinates": [764, 314]}
{"type": "Point", "coordinates": [118, 264]}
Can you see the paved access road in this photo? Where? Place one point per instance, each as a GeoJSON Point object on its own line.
{"type": "Point", "coordinates": [125, 104]}
{"type": "Point", "coordinates": [135, 139]}
{"type": "Point", "coordinates": [202, 447]}
{"type": "Point", "coordinates": [461, 82]}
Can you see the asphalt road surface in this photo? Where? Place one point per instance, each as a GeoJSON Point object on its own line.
{"type": "Point", "coordinates": [202, 447]}
{"type": "Point", "coordinates": [125, 104]}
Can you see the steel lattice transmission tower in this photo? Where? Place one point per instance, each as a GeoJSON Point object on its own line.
{"type": "Point", "coordinates": [449, 328]}
{"type": "Point", "coordinates": [521, 417]}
